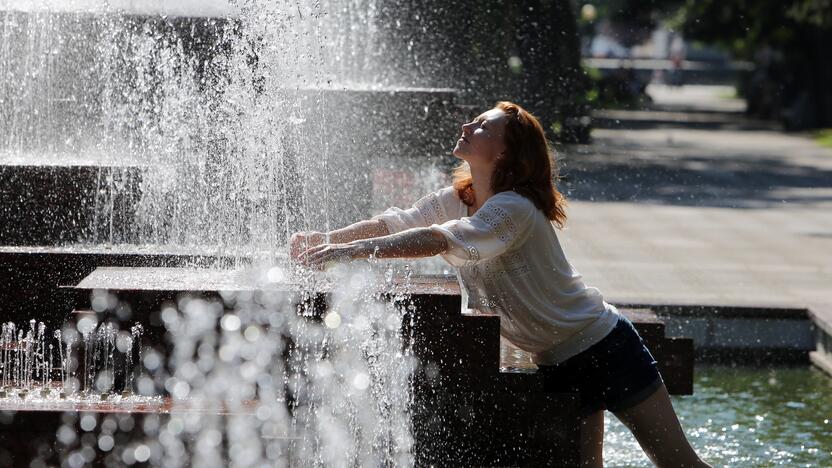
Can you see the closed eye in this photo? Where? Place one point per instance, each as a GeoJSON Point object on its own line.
{"type": "Point", "coordinates": [480, 122]}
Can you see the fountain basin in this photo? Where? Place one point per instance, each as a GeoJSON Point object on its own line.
{"type": "Point", "coordinates": [464, 408]}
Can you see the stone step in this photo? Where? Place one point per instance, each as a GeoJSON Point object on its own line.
{"type": "Point", "coordinates": [743, 335]}
{"type": "Point", "coordinates": [649, 325]}
{"type": "Point", "coordinates": [489, 427]}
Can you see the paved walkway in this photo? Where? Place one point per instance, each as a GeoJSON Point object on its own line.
{"type": "Point", "coordinates": [718, 214]}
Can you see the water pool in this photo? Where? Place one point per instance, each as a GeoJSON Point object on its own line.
{"type": "Point", "coordinates": [744, 416]}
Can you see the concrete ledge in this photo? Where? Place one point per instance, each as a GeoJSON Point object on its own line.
{"type": "Point", "coordinates": [821, 319]}
{"type": "Point", "coordinates": [741, 334]}
{"type": "Point", "coordinates": [726, 311]}
{"type": "Point", "coordinates": [822, 331]}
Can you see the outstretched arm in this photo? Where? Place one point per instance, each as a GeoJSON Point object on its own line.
{"type": "Point", "coordinates": [429, 210]}
{"type": "Point", "coordinates": [360, 230]}
{"type": "Point", "coordinates": [412, 243]}
{"type": "Point", "coordinates": [301, 241]}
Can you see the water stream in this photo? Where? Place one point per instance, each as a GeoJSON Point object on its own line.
{"type": "Point", "coordinates": [29, 371]}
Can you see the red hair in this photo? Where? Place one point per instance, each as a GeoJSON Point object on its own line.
{"type": "Point", "coordinates": [526, 166]}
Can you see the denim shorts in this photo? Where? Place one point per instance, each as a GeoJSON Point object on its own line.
{"type": "Point", "coordinates": [616, 373]}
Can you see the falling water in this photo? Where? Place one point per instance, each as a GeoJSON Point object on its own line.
{"type": "Point", "coordinates": [223, 126]}
{"type": "Point", "coordinates": [62, 368]}
{"type": "Point", "coordinates": [127, 343]}
{"type": "Point", "coordinates": [300, 391]}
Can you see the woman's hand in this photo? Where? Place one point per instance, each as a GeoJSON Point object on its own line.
{"type": "Point", "coordinates": [320, 255]}
{"type": "Point", "coordinates": [303, 241]}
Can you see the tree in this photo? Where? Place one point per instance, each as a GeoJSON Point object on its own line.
{"type": "Point", "coordinates": [787, 39]}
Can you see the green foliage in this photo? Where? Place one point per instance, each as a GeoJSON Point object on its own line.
{"type": "Point", "coordinates": [787, 39]}
{"type": "Point", "coordinates": [611, 91]}
{"type": "Point", "coordinates": [638, 13]}
{"type": "Point", "coordinates": [823, 137]}
{"type": "Point", "coordinates": [744, 26]}
{"type": "Point", "coordinates": [814, 12]}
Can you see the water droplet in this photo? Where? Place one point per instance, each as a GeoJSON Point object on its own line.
{"type": "Point", "coordinates": [275, 275]}
{"type": "Point", "coordinates": [142, 453]}
{"type": "Point", "coordinates": [231, 322]}
{"type": "Point", "coordinates": [332, 320]}
{"type": "Point", "coordinates": [361, 381]}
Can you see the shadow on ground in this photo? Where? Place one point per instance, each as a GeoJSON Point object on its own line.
{"type": "Point", "coordinates": [690, 174]}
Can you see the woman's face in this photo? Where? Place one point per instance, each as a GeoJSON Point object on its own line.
{"type": "Point", "coordinates": [482, 139]}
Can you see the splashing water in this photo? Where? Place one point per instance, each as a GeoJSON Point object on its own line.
{"type": "Point", "coordinates": [301, 391]}
{"type": "Point", "coordinates": [62, 369]}
{"type": "Point", "coordinates": [128, 341]}
{"type": "Point", "coordinates": [254, 378]}
{"type": "Point", "coordinates": [226, 132]}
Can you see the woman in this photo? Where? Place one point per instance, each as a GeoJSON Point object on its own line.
{"type": "Point", "coordinates": [496, 224]}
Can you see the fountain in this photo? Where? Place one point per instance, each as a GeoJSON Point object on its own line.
{"type": "Point", "coordinates": [36, 365]}
{"type": "Point", "coordinates": [154, 159]}
{"type": "Point", "coordinates": [360, 362]}
{"type": "Point", "coordinates": [194, 131]}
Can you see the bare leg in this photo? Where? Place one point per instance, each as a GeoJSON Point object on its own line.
{"type": "Point", "coordinates": [654, 424]}
{"type": "Point", "coordinates": [592, 440]}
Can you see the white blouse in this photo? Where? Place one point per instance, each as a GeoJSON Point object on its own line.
{"type": "Point", "coordinates": [510, 263]}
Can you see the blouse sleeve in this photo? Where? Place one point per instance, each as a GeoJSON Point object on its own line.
{"type": "Point", "coordinates": [502, 223]}
{"type": "Point", "coordinates": [430, 209]}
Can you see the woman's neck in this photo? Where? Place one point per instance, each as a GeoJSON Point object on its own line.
{"type": "Point", "coordinates": [481, 183]}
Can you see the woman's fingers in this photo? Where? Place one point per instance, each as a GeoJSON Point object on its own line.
{"type": "Point", "coordinates": [315, 255]}
{"type": "Point", "coordinates": [300, 242]}
{"type": "Point", "coordinates": [321, 256]}
{"type": "Point", "coordinates": [313, 250]}
{"type": "Point", "coordinates": [324, 253]}
{"type": "Point", "coordinates": [297, 245]}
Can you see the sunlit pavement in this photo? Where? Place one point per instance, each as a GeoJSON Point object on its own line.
{"type": "Point", "coordinates": [701, 214]}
